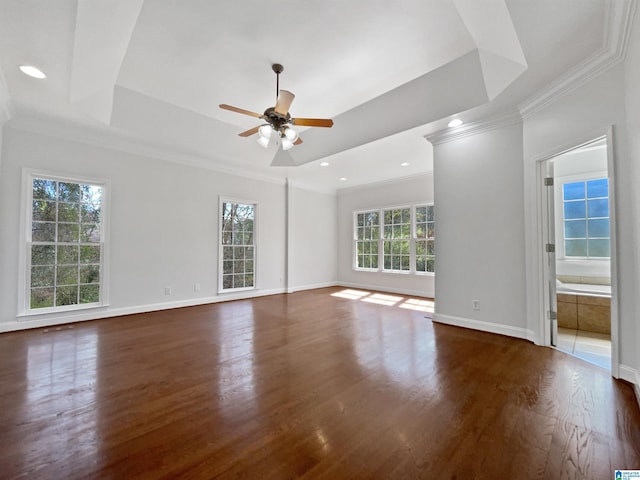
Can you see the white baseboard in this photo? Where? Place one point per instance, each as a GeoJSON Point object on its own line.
{"type": "Point", "coordinates": [498, 328]}
{"type": "Point", "coordinates": [378, 288]}
{"type": "Point", "coordinates": [636, 387]}
{"type": "Point", "coordinates": [300, 288]}
{"type": "Point", "coordinates": [632, 376]}
{"type": "Point", "coordinates": [39, 321]}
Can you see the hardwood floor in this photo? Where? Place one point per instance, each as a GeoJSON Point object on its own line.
{"type": "Point", "coordinates": [320, 384]}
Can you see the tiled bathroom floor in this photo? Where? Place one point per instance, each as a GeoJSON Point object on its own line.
{"type": "Point", "coordinates": [591, 347]}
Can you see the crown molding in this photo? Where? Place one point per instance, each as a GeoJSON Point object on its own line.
{"type": "Point", "coordinates": [310, 188]}
{"type": "Point", "coordinates": [616, 41]}
{"type": "Point", "coordinates": [475, 128]}
{"type": "Point", "coordinates": [114, 140]}
{"type": "Point", "coordinates": [382, 183]}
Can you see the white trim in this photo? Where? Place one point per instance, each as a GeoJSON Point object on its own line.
{"type": "Point", "coordinates": [101, 313]}
{"type": "Point", "coordinates": [559, 182]}
{"type": "Point", "coordinates": [632, 376]}
{"type": "Point", "coordinates": [289, 241]}
{"type": "Point", "coordinates": [379, 288]}
{"type": "Point", "coordinates": [300, 288]}
{"type": "Point", "coordinates": [614, 50]}
{"type": "Point", "coordinates": [311, 188]}
{"type": "Point", "coordinates": [115, 141]}
{"type": "Point", "coordinates": [637, 387]}
{"type": "Point", "coordinates": [222, 199]}
{"type": "Point", "coordinates": [490, 327]}
{"type": "Point", "coordinates": [534, 226]}
{"type": "Point", "coordinates": [412, 239]}
{"type": "Point", "coordinates": [474, 128]}
{"type": "Point", "coordinates": [23, 298]}
{"type": "Point", "coordinates": [390, 181]}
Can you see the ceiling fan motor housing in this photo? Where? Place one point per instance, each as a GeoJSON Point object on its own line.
{"type": "Point", "coordinates": [275, 119]}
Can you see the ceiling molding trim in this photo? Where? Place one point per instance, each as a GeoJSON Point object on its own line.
{"type": "Point", "coordinates": [616, 41]}
{"type": "Point", "coordinates": [120, 142]}
{"type": "Point", "coordinates": [311, 188]}
{"type": "Point", "coordinates": [475, 128]}
{"type": "Point", "coordinates": [382, 183]}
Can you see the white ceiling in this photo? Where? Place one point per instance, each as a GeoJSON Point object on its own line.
{"type": "Point", "coordinates": [386, 71]}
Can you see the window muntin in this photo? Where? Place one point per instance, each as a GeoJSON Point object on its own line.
{"type": "Point", "coordinates": [64, 244]}
{"type": "Point", "coordinates": [425, 238]}
{"type": "Point", "coordinates": [237, 245]}
{"type": "Point", "coordinates": [397, 240]}
{"type": "Point", "coordinates": [396, 244]}
{"type": "Point", "coordinates": [586, 218]}
{"type": "Point", "coordinates": [367, 235]}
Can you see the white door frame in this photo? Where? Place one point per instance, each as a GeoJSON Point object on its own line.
{"type": "Point", "coordinates": [538, 267]}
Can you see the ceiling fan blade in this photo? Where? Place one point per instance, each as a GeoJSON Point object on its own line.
{"type": "Point", "coordinates": [224, 106]}
{"type": "Point", "coordinates": [298, 141]}
{"type": "Point", "coordinates": [284, 102]}
{"type": "Point", "coordinates": [248, 133]}
{"type": "Point", "coordinates": [313, 122]}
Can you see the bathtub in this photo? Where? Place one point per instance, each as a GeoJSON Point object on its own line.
{"type": "Point", "coordinates": [584, 307]}
{"type": "Point", "coordinates": [583, 289]}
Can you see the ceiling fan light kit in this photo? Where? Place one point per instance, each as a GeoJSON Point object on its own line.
{"type": "Point", "coordinates": [279, 124]}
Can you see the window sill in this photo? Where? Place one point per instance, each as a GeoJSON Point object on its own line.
{"type": "Point", "coordinates": [396, 272]}
{"type": "Point", "coordinates": [60, 310]}
{"type": "Point", "coordinates": [236, 290]}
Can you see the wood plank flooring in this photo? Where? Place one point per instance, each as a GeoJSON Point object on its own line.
{"type": "Point", "coordinates": [322, 384]}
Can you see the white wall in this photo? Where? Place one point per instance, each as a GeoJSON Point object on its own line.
{"type": "Point", "coordinates": [313, 249]}
{"type": "Point", "coordinates": [480, 236]}
{"type": "Point", "coordinates": [402, 192]}
{"type": "Point", "coordinates": [583, 114]}
{"type": "Point", "coordinates": [164, 226]}
{"type": "Point", "coordinates": [632, 103]}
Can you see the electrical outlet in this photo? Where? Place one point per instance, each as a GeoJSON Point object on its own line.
{"type": "Point", "coordinates": [475, 304]}
{"type": "Point", "coordinates": [167, 290]}
{"type": "Point", "coordinates": [196, 287]}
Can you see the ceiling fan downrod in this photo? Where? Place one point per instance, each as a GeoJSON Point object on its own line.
{"type": "Point", "coordinates": [278, 69]}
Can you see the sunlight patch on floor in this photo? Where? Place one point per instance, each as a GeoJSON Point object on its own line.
{"type": "Point", "coordinates": [419, 304]}
{"type": "Point", "coordinates": [351, 294]}
{"type": "Point", "coordinates": [381, 299]}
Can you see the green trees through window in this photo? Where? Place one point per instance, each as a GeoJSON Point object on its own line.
{"type": "Point", "coordinates": [238, 245]}
{"type": "Point", "coordinates": [65, 248]}
{"type": "Point", "coordinates": [395, 239]}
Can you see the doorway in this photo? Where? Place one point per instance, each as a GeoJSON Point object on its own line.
{"type": "Point", "coordinates": [579, 251]}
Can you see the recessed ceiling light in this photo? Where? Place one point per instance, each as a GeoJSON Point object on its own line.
{"type": "Point", "coordinates": [405, 164]}
{"type": "Point", "coordinates": [456, 122]}
{"type": "Point", "coordinates": [343, 179]}
{"type": "Point", "coordinates": [32, 71]}
{"type": "Point", "coordinates": [324, 164]}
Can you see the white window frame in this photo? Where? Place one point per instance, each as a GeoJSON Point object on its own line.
{"type": "Point", "coordinates": [221, 201]}
{"type": "Point", "coordinates": [355, 240]}
{"type": "Point", "coordinates": [24, 292]}
{"type": "Point", "coordinates": [412, 239]}
{"type": "Point", "coordinates": [559, 217]}
{"type": "Point", "coordinates": [426, 239]}
{"type": "Point", "coordinates": [411, 243]}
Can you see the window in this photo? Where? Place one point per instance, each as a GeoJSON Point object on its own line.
{"type": "Point", "coordinates": [400, 239]}
{"type": "Point", "coordinates": [237, 245]}
{"type": "Point", "coordinates": [586, 218]}
{"type": "Point", "coordinates": [367, 236]}
{"type": "Point", "coordinates": [397, 239]}
{"type": "Point", "coordinates": [65, 244]}
{"type": "Point", "coordinates": [425, 238]}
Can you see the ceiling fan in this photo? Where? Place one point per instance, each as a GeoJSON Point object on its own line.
{"type": "Point", "coordinates": [279, 121]}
